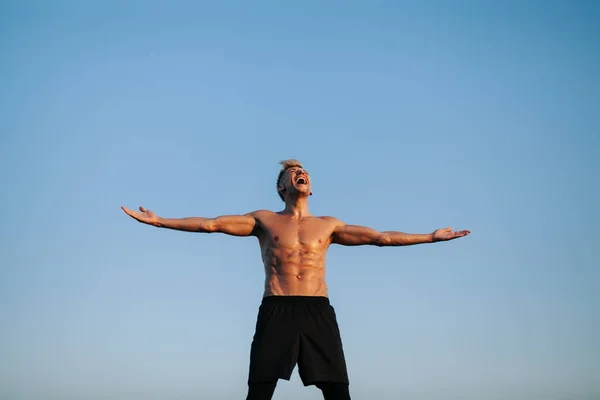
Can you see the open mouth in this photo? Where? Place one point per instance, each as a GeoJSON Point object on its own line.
{"type": "Point", "coordinates": [301, 181]}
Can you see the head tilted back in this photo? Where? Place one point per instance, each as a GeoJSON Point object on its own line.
{"type": "Point", "coordinates": [285, 165]}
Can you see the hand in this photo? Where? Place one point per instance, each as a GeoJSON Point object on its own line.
{"type": "Point", "coordinates": [145, 216]}
{"type": "Point", "coordinates": [441, 235]}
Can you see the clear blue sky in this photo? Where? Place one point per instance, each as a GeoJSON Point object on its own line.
{"type": "Point", "coordinates": [410, 116]}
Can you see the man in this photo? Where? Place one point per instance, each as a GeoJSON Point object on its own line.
{"type": "Point", "coordinates": [296, 323]}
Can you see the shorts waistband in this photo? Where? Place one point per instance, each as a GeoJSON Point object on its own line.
{"type": "Point", "coordinates": [321, 300]}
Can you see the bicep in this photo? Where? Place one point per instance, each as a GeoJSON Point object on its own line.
{"type": "Point", "coordinates": [235, 225]}
{"type": "Point", "coordinates": [355, 235]}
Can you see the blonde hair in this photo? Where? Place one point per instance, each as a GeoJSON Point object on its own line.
{"type": "Point", "coordinates": [285, 165]}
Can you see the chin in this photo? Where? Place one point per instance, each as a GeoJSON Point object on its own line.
{"type": "Point", "coordinates": [303, 191]}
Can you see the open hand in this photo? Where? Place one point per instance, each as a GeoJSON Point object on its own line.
{"type": "Point", "coordinates": [145, 216]}
{"type": "Point", "coordinates": [447, 234]}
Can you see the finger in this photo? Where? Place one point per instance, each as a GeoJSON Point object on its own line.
{"type": "Point", "coordinates": [131, 213]}
{"type": "Point", "coordinates": [142, 209]}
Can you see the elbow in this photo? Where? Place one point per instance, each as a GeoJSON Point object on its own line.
{"type": "Point", "coordinates": [210, 226]}
{"type": "Point", "coordinates": [383, 240]}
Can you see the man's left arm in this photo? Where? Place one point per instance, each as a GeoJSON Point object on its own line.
{"type": "Point", "coordinates": [355, 235]}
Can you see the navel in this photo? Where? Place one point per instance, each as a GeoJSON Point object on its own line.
{"type": "Point", "coordinates": [276, 238]}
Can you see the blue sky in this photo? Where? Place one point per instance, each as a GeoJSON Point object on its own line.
{"type": "Point", "coordinates": [410, 116]}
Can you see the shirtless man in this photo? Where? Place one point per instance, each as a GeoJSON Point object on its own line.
{"type": "Point", "coordinates": [296, 323]}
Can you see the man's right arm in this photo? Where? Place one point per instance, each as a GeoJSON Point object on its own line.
{"type": "Point", "coordinates": [235, 225]}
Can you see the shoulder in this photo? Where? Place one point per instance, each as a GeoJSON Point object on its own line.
{"type": "Point", "coordinates": [333, 221]}
{"type": "Point", "coordinates": [258, 214]}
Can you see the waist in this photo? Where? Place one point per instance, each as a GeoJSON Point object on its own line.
{"type": "Point", "coordinates": [317, 300]}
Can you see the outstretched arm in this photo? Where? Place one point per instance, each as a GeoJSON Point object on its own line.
{"type": "Point", "coordinates": [236, 225]}
{"type": "Point", "coordinates": [354, 235]}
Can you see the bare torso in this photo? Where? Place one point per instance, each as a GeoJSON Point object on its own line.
{"type": "Point", "coordinates": [294, 252]}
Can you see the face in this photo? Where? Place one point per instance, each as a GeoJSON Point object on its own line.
{"type": "Point", "coordinates": [297, 181]}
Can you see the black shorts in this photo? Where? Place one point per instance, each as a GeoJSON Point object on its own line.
{"type": "Point", "coordinates": [297, 329]}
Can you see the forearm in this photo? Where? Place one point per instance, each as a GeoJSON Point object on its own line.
{"type": "Point", "coordinates": [190, 224]}
{"type": "Point", "coordinates": [392, 238]}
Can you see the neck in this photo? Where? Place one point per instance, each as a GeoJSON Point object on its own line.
{"type": "Point", "coordinates": [297, 207]}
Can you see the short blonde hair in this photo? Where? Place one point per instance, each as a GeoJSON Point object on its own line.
{"type": "Point", "coordinates": [285, 165]}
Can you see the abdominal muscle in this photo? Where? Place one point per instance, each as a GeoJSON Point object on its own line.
{"type": "Point", "coordinates": [294, 273]}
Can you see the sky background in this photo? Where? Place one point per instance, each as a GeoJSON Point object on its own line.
{"type": "Point", "coordinates": [410, 116]}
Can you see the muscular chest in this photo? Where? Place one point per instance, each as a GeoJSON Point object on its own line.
{"type": "Point", "coordinates": [310, 233]}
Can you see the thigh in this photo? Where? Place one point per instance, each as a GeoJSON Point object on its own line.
{"type": "Point", "coordinates": [274, 349]}
{"type": "Point", "coordinates": [321, 357]}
